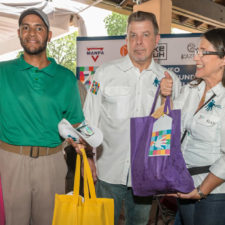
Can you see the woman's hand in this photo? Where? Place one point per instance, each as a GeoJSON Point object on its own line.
{"type": "Point", "coordinates": [191, 195]}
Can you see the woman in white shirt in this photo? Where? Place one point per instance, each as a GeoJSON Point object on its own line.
{"type": "Point", "coordinates": [202, 103]}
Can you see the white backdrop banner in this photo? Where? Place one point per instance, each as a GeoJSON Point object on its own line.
{"type": "Point", "coordinates": [174, 51]}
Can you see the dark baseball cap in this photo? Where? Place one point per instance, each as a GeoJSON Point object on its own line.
{"type": "Point", "coordinates": [37, 12]}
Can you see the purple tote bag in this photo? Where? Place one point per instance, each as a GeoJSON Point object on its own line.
{"type": "Point", "coordinates": [161, 174]}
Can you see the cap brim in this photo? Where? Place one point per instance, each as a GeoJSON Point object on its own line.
{"type": "Point", "coordinates": [66, 130]}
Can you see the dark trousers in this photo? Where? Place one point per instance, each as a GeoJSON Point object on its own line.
{"type": "Point", "coordinates": [136, 208]}
{"type": "Point", "coordinates": [209, 211]}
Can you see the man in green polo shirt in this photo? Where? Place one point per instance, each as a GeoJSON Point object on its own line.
{"type": "Point", "coordinates": [36, 93]}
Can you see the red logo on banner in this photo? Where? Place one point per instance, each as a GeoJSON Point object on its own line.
{"type": "Point", "coordinates": [95, 52]}
{"type": "Point", "coordinates": [123, 50]}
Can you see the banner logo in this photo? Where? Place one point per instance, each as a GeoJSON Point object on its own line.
{"type": "Point", "coordinates": [160, 52]}
{"type": "Point", "coordinates": [123, 50]}
{"type": "Point", "coordinates": [191, 47]}
{"type": "Point", "coordinates": [189, 55]}
{"type": "Point", "coordinates": [95, 53]}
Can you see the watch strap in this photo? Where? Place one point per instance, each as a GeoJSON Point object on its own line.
{"type": "Point", "coordinates": [201, 194]}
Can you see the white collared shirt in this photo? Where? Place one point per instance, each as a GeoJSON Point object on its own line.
{"type": "Point", "coordinates": [119, 91]}
{"type": "Point", "coordinates": [204, 143]}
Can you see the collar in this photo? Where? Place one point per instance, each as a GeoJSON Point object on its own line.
{"type": "Point", "coordinates": [49, 70]}
{"type": "Point", "coordinates": [218, 89]}
{"type": "Point", "coordinates": [126, 64]}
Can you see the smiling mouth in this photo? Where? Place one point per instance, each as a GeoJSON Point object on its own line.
{"type": "Point", "coordinates": [32, 41]}
{"type": "Point", "coordinates": [199, 66]}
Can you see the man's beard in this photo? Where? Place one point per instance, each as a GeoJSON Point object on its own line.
{"type": "Point", "coordinates": [34, 51]}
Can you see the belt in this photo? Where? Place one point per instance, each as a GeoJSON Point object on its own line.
{"type": "Point", "coordinates": [32, 151]}
{"type": "Point", "coordinates": [198, 170]}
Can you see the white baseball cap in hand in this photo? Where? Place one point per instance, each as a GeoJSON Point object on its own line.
{"type": "Point", "coordinates": [92, 135]}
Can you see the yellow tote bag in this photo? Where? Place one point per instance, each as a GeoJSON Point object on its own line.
{"type": "Point", "coordinates": [75, 210]}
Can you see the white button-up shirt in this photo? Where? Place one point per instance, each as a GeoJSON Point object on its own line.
{"type": "Point", "coordinates": [204, 143]}
{"type": "Point", "coordinates": [120, 91]}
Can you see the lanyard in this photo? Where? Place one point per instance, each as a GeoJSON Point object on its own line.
{"type": "Point", "coordinates": [185, 132]}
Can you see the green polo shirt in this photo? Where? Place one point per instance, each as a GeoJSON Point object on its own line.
{"type": "Point", "coordinates": [33, 101]}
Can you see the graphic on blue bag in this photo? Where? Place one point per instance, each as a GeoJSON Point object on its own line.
{"type": "Point", "coordinates": [161, 137]}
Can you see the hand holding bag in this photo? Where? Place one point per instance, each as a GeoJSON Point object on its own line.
{"type": "Point", "coordinates": [157, 164]}
{"type": "Point", "coordinates": [74, 210]}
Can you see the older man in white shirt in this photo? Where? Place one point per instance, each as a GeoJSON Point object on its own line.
{"type": "Point", "coordinates": [122, 89]}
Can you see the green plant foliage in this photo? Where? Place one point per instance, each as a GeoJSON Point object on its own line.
{"type": "Point", "coordinates": [116, 24]}
{"type": "Point", "coordinates": [63, 50]}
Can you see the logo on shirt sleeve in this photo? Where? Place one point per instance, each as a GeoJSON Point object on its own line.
{"type": "Point", "coordinates": [156, 82]}
{"type": "Point", "coordinates": [95, 87]}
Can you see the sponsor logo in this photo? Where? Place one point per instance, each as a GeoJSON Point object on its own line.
{"type": "Point", "coordinates": [160, 52]}
{"type": "Point", "coordinates": [123, 50]}
{"type": "Point", "coordinates": [95, 53]}
{"type": "Point", "coordinates": [191, 47]}
{"type": "Point", "coordinates": [190, 52]}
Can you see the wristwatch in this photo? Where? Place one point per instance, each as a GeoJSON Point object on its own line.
{"type": "Point", "coordinates": [201, 194]}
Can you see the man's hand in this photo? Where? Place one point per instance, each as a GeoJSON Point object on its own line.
{"type": "Point", "coordinates": [166, 85]}
{"type": "Point", "coordinates": [76, 146]}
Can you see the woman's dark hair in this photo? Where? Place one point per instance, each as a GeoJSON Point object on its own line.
{"type": "Point", "coordinates": [217, 38]}
{"type": "Point", "coordinates": [140, 16]}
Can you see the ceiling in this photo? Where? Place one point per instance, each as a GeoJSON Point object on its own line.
{"type": "Point", "coordinates": [190, 15]}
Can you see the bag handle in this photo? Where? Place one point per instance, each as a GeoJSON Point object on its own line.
{"type": "Point", "coordinates": [76, 186]}
{"type": "Point", "coordinates": [167, 105]}
{"type": "Point", "coordinates": [155, 99]}
{"type": "Point", "coordinates": [88, 180]}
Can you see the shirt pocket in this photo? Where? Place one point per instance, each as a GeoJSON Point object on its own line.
{"type": "Point", "coordinates": [206, 127]}
{"type": "Point", "coordinates": [117, 101]}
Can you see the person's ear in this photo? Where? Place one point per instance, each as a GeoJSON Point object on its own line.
{"type": "Point", "coordinates": [157, 39]}
{"type": "Point", "coordinates": [49, 36]}
{"type": "Point", "coordinates": [18, 32]}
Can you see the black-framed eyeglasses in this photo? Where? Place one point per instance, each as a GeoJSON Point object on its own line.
{"type": "Point", "coordinates": [201, 52]}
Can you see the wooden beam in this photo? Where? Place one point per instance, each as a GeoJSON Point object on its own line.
{"type": "Point", "coordinates": [202, 10]}
{"type": "Point", "coordinates": [182, 19]}
{"type": "Point", "coordinates": [197, 23]}
{"type": "Point", "coordinates": [163, 11]}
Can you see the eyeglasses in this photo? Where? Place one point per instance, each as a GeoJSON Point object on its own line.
{"type": "Point", "coordinates": [201, 52]}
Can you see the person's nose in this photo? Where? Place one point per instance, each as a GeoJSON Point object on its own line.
{"type": "Point", "coordinates": [32, 31]}
{"type": "Point", "coordinates": [196, 57]}
{"type": "Point", "coordinates": [139, 40]}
